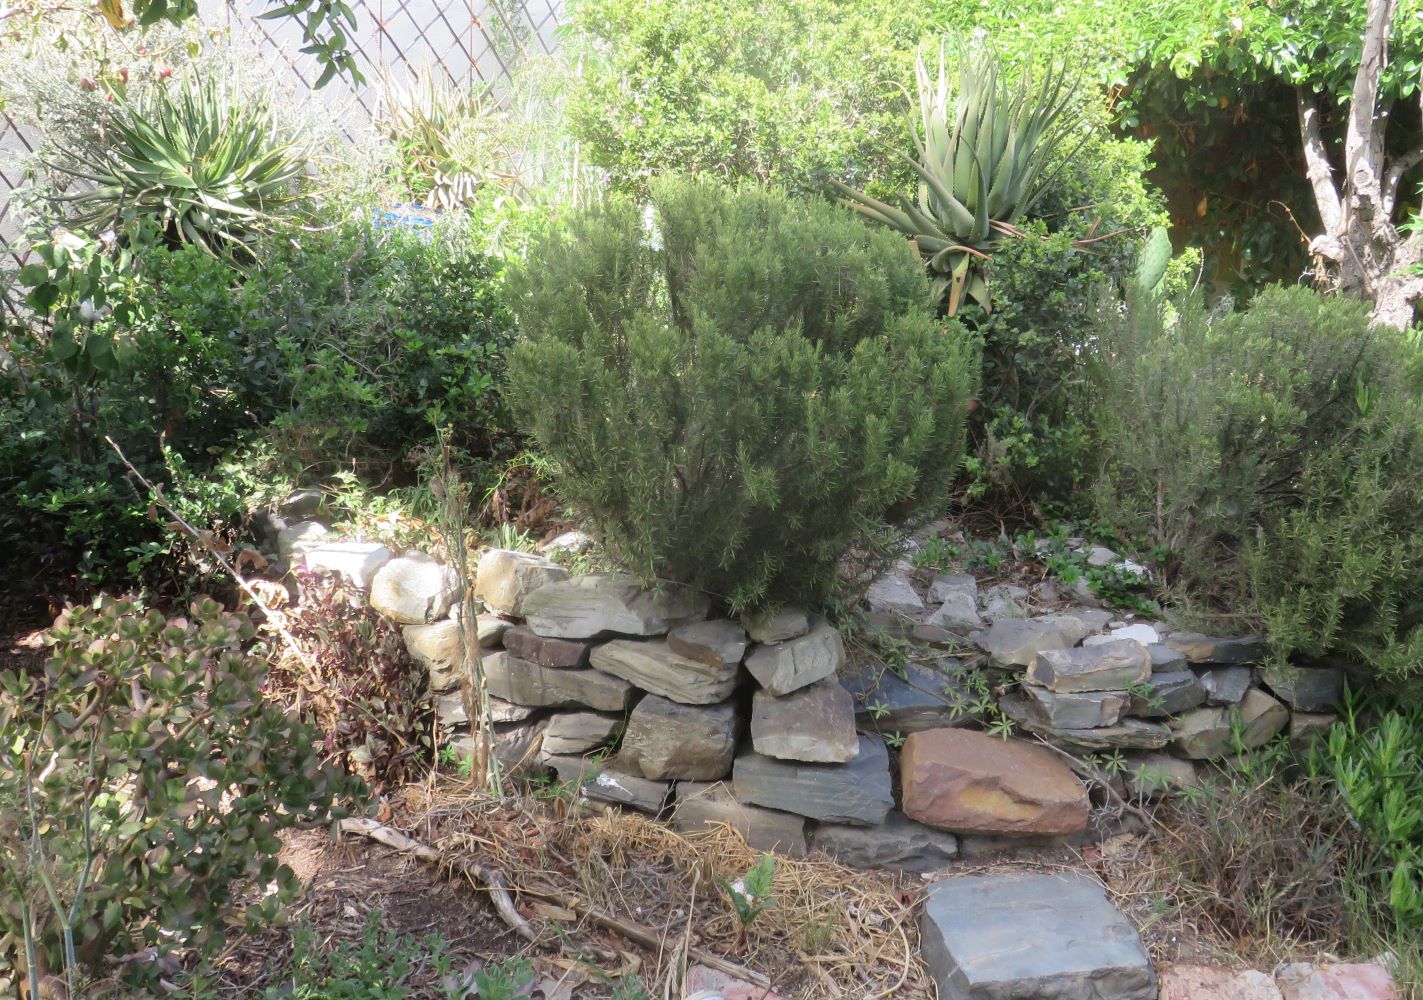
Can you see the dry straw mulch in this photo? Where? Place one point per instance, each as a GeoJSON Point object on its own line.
{"type": "Point", "coordinates": [833, 932]}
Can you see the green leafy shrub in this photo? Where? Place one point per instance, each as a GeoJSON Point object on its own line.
{"type": "Point", "coordinates": [143, 782]}
{"type": "Point", "coordinates": [1275, 453]}
{"type": "Point", "coordinates": [739, 391]}
{"type": "Point", "coordinates": [335, 354]}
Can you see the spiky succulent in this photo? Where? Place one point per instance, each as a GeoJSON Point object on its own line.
{"type": "Point", "coordinates": [203, 165]}
{"type": "Point", "coordinates": [982, 155]}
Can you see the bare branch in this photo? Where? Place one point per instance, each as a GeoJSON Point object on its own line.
{"type": "Point", "coordinates": [1399, 166]}
{"type": "Point", "coordinates": [1317, 168]}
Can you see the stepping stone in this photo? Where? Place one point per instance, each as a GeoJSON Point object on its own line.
{"type": "Point", "coordinates": [898, 843]}
{"type": "Point", "coordinates": [787, 623]}
{"type": "Point", "coordinates": [354, 562]}
{"type": "Point", "coordinates": [1005, 937]}
{"type": "Point", "coordinates": [1206, 649]}
{"type": "Point", "coordinates": [783, 667]}
{"type": "Point", "coordinates": [924, 698]}
{"type": "Point", "coordinates": [413, 589]}
{"type": "Point", "coordinates": [564, 653]}
{"type": "Point", "coordinates": [1110, 666]}
{"type": "Point", "coordinates": [665, 739]}
{"type": "Point", "coordinates": [1201, 982]}
{"type": "Point", "coordinates": [1350, 981]}
{"type": "Point", "coordinates": [1306, 689]}
{"type": "Point", "coordinates": [653, 666]}
{"type": "Point", "coordinates": [954, 779]}
{"type": "Point", "coordinates": [1016, 643]}
{"type": "Point", "coordinates": [718, 643]}
{"type": "Point", "coordinates": [701, 806]}
{"type": "Point", "coordinates": [603, 604]}
{"type": "Point", "coordinates": [525, 683]}
{"type": "Point", "coordinates": [857, 793]}
{"type": "Point", "coordinates": [815, 724]}
{"type": "Point", "coordinates": [504, 577]}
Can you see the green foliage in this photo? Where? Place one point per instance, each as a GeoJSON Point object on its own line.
{"type": "Point", "coordinates": [741, 392]}
{"type": "Point", "coordinates": [1274, 454]}
{"type": "Point", "coordinates": [194, 161]}
{"type": "Point", "coordinates": [334, 354]}
{"type": "Point", "coordinates": [981, 161]}
{"type": "Point", "coordinates": [751, 894]}
{"type": "Point", "coordinates": [1379, 771]}
{"type": "Point", "coordinates": [143, 780]}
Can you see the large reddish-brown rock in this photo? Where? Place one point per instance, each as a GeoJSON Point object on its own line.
{"type": "Point", "coordinates": [1370, 981]}
{"type": "Point", "coordinates": [966, 781]}
{"type": "Point", "coordinates": [1203, 982]}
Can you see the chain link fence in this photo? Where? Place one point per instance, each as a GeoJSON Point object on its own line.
{"type": "Point", "coordinates": [469, 41]}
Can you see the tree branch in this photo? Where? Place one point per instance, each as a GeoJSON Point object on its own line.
{"type": "Point", "coordinates": [1363, 138]}
{"type": "Point", "coordinates": [1396, 169]}
{"type": "Point", "coordinates": [1316, 159]}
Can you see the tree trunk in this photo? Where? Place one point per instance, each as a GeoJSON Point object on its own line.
{"type": "Point", "coordinates": [1368, 257]}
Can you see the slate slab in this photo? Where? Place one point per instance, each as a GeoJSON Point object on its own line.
{"type": "Point", "coordinates": [899, 843]}
{"type": "Point", "coordinates": [717, 643]}
{"type": "Point", "coordinates": [525, 683]}
{"type": "Point", "coordinates": [702, 805]}
{"type": "Point", "coordinates": [1075, 709]}
{"type": "Point", "coordinates": [1166, 694]}
{"type": "Point", "coordinates": [924, 698]}
{"type": "Point", "coordinates": [1013, 643]}
{"type": "Point", "coordinates": [1306, 689]}
{"type": "Point", "coordinates": [1209, 649]}
{"type": "Point", "coordinates": [1109, 666]}
{"type": "Point", "coordinates": [858, 792]}
{"type": "Point", "coordinates": [504, 577]}
{"type": "Point", "coordinates": [1049, 937]}
{"type": "Point", "coordinates": [603, 604]}
{"type": "Point", "coordinates": [815, 724]}
{"type": "Point", "coordinates": [1127, 734]}
{"type": "Point", "coordinates": [665, 739]}
{"type": "Point", "coordinates": [599, 783]}
{"type": "Point", "coordinates": [777, 626]}
{"type": "Point", "coordinates": [653, 666]}
{"type": "Point", "coordinates": [1224, 685]}
{"type": "Point", "coordinates": [573, 733]}
{"type": "Point", "coordinates": [524, 643]}
{"type": "Point", "coordinates": [783, 667]}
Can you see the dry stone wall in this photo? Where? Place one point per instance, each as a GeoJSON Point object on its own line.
{"type": "Point", "coordinates": [639, 698]}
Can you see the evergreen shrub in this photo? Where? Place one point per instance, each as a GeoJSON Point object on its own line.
{"type": "Point", "coordinates": [738, 388]}
{"type": "Point", "coordinates": [1277, 453]}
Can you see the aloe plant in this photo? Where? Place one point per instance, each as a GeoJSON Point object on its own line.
{"type": "Point", "coordinates": [982, 156]}
{"type": "Point", "coordinates": [206, 167]}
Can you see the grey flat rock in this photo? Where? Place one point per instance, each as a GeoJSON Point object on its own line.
{"type": "Point", "coordinates": [1109, 666]}
{"type": "Point", "coordinates": [894, 593]}
{"type": "Point", "coordinates": [717, 643]}
{"type": "Point", "coordinates": [945, 584]}
{"type": "Point", "coordinates": [957, 613]}
{"type": "Point", "coordinates": [1165, 660]}
{"type": "Point", "coordinates": [1128, 734]}
{"type": "Point", "coordinates": [1224, 685]}
{"type": "Point", "coordinates": [1306, 689]}
{"type": "Point", "coordinates": [815, 724]}
{"type": "Point", "coordinates": [783, 667]}
{"type": "Point", "coordinates": [1208, 649]}
{"type": "Point", "coordinates": [1031, 937]}
{"type": "Point", "coordinates": [413, 589]}
{"type": "Point", "coordinates": [924, 698]}
{"type": "Point", "coordinates": [603, 604]}
{"type": "Point", "coordinates": [525, 683]}
{"type": "Point", "coordinates": [573, 733]}
{"type": "Point", "coordinates": [355, 562]}
{"type": "Point", "coordinates": [701, 806]}
{"type": "Point", "coordinates": [787, 623]}
{"type": "Point", "coordinates": [858, 793]}
{"type": "Point", "coordinates": [653, 666]}
{"type": "Point", "coordinates": [599, 783]}
{"type": "Point", "coordinates": [1015, 643]}
{"type": "Point", "coordinates": [1167, 694]}
{"type": "Point", "coordinates": [899, 843]}
{"type": "Point", "coordinates": [665, 739]}
{"type": "Point", "coordinates": [1075, 709]}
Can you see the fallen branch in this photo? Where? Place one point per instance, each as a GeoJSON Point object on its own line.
{"type": "Point", "coordinates": [498, 888]}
